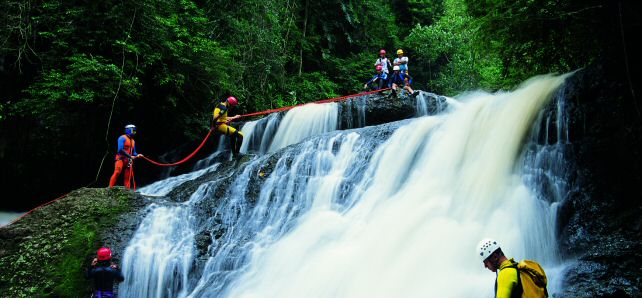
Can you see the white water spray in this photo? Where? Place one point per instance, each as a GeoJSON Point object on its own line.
{"type": "Point", "coordinates": [437, 187]}
{"type": "Point", "coordinates": [350, 215]}
{"type": "Point", "coordinates": [304, 121]}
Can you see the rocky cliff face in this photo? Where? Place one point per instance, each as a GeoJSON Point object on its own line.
{"type": "Point", "coordinates": [600, 222]}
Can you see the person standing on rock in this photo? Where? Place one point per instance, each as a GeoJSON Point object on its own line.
{"type": "Point", "coordinates": [402, 62]}
{"type": "Point", "coordinates": [383, 61]}
{"type": "Point", "coordinates": [104, 273]}
{"type": "Point", "coordinates": [125, 156]}
{"type": "Point", "coordinates": [523, 279]}
{"type": "Point", "coordinates": [222, 123]}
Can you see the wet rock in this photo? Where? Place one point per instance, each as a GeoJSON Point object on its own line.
{"type": "Point", "coordinates": [202, 242]}
{"type": "Point", "coordinates": [382, 108]}
{"type": "Point", "coordinates": [600, 222]}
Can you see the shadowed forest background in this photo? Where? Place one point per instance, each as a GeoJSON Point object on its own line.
{"type": "Point", "coordinates": [162, 65]}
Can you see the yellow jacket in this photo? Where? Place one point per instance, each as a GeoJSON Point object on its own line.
{"type": "Point", "coordinates": [507, 280]}
{"type": "Point", "coordinates": [220, 113]}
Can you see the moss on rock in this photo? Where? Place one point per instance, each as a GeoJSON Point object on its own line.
{"type": "Point", "coordinates": [44, 253]}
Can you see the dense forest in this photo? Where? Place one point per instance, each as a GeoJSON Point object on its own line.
{"type": "Point", "coordinates": [73, 73]}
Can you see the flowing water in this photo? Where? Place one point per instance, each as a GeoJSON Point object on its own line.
{"type": "Point", "coordinates": [389, 211]}
{"type": "Point", "coordinates": [7, 216]}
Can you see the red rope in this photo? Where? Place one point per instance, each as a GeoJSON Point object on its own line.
{"type": "Point", "coordinates": [34, 209]}
{"type": "Point", "coordinates": [131, 175]}
{"type": "Point", "coordinates": [184, 159]}
{"type": "Point", "coordinates": [203, 143]}
{"type": "Point", "coordinates": [335, 99]}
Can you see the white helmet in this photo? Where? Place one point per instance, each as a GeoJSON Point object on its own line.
{"type": "Point", "coordinates": [486, 247]}
{"type": "Point", "coordinates": [130, 129]}
{"type": "Point", "coordinates": [396, 67]}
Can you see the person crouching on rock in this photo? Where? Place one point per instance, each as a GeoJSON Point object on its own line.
{"type": "Point", "coordinates": [104, 273]}
{"type": "Point", "coordinates": [222, 123]}
{"type": "Point", "coordinates": [378, 81]}
{"type": "Point", "coordinates": [399, 79]}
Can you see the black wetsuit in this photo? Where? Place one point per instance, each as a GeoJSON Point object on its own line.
{"type": "Point", "coordinates": [104, 277]}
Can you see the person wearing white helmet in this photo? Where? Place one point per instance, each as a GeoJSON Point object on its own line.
{"type": "Point", "coordinates": [222, 123]}
{"type": "Point", "coordinates": [524, 279]}
{"type": "Point", "coordinates": [125, 155]}
{"type": "Point", "coordinates": [507, 284]}
{"type": "Point", "coordinates": [399, 79]}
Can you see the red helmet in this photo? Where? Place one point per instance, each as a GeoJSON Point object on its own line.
{"type": "Point", "coordinates": [379, 68]}
{"type": "Point", "coordinates": [233, 101]}
{"type": "Point", "coordinates": [382, 52]}
{"type": "Point", "coordinates": [104, 254]}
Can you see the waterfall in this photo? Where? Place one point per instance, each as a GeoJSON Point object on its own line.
{"type": "Point", "coordinates": [310, 119]}
{"type": "Point", "coordinates": [394, 210]}
{"type": "Point", "coordinates": [259, 134]}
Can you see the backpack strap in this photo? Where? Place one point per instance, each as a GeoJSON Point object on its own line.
{"type": "Point", "coordinates": [517, 291]}
{"type": "Point", "coordinates": [222, 107]}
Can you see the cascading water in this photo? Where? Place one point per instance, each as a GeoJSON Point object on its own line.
{"type": "Point", "coordinates": [388, 211]}
{"type": "Point", "coordinates": [310, 119]}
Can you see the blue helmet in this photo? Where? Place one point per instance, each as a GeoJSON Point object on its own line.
{"type": "Point", "coordinates": [130, 129]}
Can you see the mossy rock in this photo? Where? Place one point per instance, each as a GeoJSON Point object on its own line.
{"type": "Point", "coordinates": [44, 253]}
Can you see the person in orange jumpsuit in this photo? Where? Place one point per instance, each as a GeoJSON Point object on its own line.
{"type": "Point", "coordinates": [125, 156]}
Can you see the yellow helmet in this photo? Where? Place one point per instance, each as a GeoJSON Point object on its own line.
{"type": "Point", "coordinates": [399, 52]}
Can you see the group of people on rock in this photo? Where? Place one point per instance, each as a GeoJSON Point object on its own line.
{"type": "Point", "coordinates": [126, 152]}
{"type": "Point", "coordinates": [399, 79]}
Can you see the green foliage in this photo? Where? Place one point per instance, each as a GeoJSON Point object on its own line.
{"type": "Point", "coordinates": [310, 87]}
{"type": "Point", "coordinates": [165, 63]}
{"type": "Point", "coordinates": [448, 48]}
{"type": "Point", "coordinates": [531, 37]}
{"type": "Point", "coordinates": [352, 72]}
{"type": "Point", "coordinates": [85, 79]}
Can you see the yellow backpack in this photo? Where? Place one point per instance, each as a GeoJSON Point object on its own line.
{"type": "Point", "coordinates": [533, 279]}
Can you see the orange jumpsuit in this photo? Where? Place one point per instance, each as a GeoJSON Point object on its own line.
{"type": "Point", "coordinates": [126, 146]}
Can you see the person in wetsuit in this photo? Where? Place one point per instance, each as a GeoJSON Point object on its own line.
{"type": "Point", "coordinates": [104, 273]}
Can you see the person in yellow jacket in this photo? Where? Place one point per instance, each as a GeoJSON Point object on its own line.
{"type": "Point", "coordinates": [221, 123]}
{"type": "Point", "coordinates": [508, 284]}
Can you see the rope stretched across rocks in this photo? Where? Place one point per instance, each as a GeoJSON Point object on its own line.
{"type": "Point", "coordinates": [335, 99]}
{"type": "Point", "coordinates": [34, 209]}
